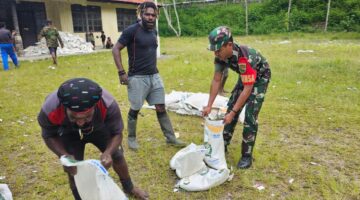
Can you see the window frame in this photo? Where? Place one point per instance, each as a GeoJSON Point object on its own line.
{"type": "Point", "coordinates": [78, 13]}
{"type": "Point", "coordinates": [125, 17]}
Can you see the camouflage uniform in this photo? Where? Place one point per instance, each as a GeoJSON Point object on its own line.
{"type": "Point", "coordinates": [254, 102]}
{"type": "Point", "coordinates": [51, 35]}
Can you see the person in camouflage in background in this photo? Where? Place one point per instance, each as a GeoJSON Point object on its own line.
{"type": "Point", "coordinates": [254, 76]}
{"type": "Point", "coordinates": [52, 37]}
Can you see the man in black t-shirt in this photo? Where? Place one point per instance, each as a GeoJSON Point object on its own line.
{"type": "Point", "coordinates": [103, 38]}
{"type": "Point", "coordinates": [81, 112]}
{"type": "Point", "coordinates": [143, 81]}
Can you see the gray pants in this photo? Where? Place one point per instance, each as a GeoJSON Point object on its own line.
{"type": "Point", "coordinates": [145, 87]}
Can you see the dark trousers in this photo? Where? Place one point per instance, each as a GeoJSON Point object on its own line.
{"type": "Point", "coordinates": [253, 107]}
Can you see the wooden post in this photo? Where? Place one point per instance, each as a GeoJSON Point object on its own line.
{"type": "Point", "coordinates": [18, 40]}
{"type": "Point", "coordinates": [246, 18]}
{"type": "Point", "coordinates": [158, 54]}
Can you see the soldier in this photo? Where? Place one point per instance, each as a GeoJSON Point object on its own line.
{"type": "Point", "coordinates": [143, 81]}
{"type": "Point", "coordinates": [254, 76]}
{"type": "Point", "coordinates": [52, 37]}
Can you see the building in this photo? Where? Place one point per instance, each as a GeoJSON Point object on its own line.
{"type": "Point", "coordinates": [73, 16]}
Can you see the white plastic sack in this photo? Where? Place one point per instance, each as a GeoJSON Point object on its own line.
{"type": "Point", "coordinates": [188, 103]}
{"type": "Point", "coordinates": [5, 193]}
{"type": "Point", "coordinates": [204, 179]}
{"type": "Point", "coordinates": [179, 153]}
{"type": "Point", "coordinates": [210, 175]}
{"type": "Point", "coordinates": [242, 115]}
{"type": "Point", "coordinates": [213, 135]}
{"type": "Point", "coordinates": [199, 101]}
{"type": "Point", "coordinates": [188, 160]}
{"type": "Point", "coordinates": [93, 181]}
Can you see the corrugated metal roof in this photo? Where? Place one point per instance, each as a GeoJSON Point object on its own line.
{"type": "Point", "coordinates": [120, 1]}
{"type": "Point", "coordinates": [128, 1]}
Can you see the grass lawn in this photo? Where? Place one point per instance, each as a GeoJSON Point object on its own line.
{"type": "Point", "coordinates": [309, 126]}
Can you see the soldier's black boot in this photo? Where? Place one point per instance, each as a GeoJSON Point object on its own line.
{"type": "Point", "coordinates": [245, 162]}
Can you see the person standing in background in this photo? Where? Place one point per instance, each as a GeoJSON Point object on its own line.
{"type": "Point", "coordinates": [7, 47]}
{"type": "Point", "coordinates": [92, 39]}
{"type": "Point", "coordinates": [53, 39]}
{"type": "Point", "coordinates": [103, 38]}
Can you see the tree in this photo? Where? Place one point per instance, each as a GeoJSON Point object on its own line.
{"type": "Point", "coordinates": [327, 15]}
{"type": "Point", "coordinates": [168, 19]}
{"type": "Point", "coordinates": [288, 17]}
{"type": "Point", "coordinates": [246, 18]}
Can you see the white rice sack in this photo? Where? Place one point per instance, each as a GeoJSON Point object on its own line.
{"type": "Point", "coordinates": [205, 179]}
{"type": "Point", "coordinates": [188, 160]}
{"type": "Point", "coordinates": [190, 147]}
{"type": "Point", "coordinates": [5, 193]}
{"type": "Point", "coordinates": [93, 181]}
{"type": "Point", "coordinates": [213, 139]}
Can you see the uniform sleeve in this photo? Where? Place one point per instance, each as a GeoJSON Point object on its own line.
{"type": "Point", "coordinates": [126, 37]}
{"type": "Point", "coordinates": [47, 128]}
{"type": "Point", "coordinates": [255, 57]}
{"type": "Point", "coordinates": [260, 59]}
{"type": "Point", "coordinates": [247, 73]}
{"type": "Point", "coordinates": [59, 38]}
{"type": "Point", "coordinates": [113, 119]}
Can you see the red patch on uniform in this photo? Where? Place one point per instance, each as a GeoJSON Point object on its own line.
{"type": "Point", "coordinates": [247, 73]}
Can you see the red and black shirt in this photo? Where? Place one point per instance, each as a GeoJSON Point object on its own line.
{"type": "Point", "coordinates": [52, 117]}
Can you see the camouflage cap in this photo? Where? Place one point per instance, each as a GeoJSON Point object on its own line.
{"type": "Point", "coordinates": [218, 37]}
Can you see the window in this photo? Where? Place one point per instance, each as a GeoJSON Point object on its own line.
{"type": "Point", "coordinates": [94, 17]}
{"type": "Point", "coordinates": [125, 17]}
{"type": "Point", "coordinates": [79, 14]}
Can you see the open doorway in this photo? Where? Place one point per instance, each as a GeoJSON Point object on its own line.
{"type": "Point", "coordinates": [32, 17]}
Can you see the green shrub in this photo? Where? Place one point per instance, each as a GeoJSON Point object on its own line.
{"type": "Point", "coordinates": [270, 16]}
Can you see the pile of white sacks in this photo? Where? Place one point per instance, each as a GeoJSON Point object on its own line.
{"type": "Point", "coordinates": [188, 103]}
{"type": "Point", "coordinates": [73, 44]}
{"type": "Point", "coordinates": [201, 167]}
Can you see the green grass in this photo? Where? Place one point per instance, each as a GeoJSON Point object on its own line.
{"type": "Point", "coordinates": [310, 114]}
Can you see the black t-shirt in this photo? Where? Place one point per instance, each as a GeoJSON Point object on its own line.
{"type": "Point", "coordinates": [5, 36]}
{"type": "Point", "coordinates": [141, 46]}
{"type": "Point", "coordinates": [103, 37]}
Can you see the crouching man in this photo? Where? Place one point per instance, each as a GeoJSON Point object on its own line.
{"type": "Point", "coordinates": [81, 112]}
